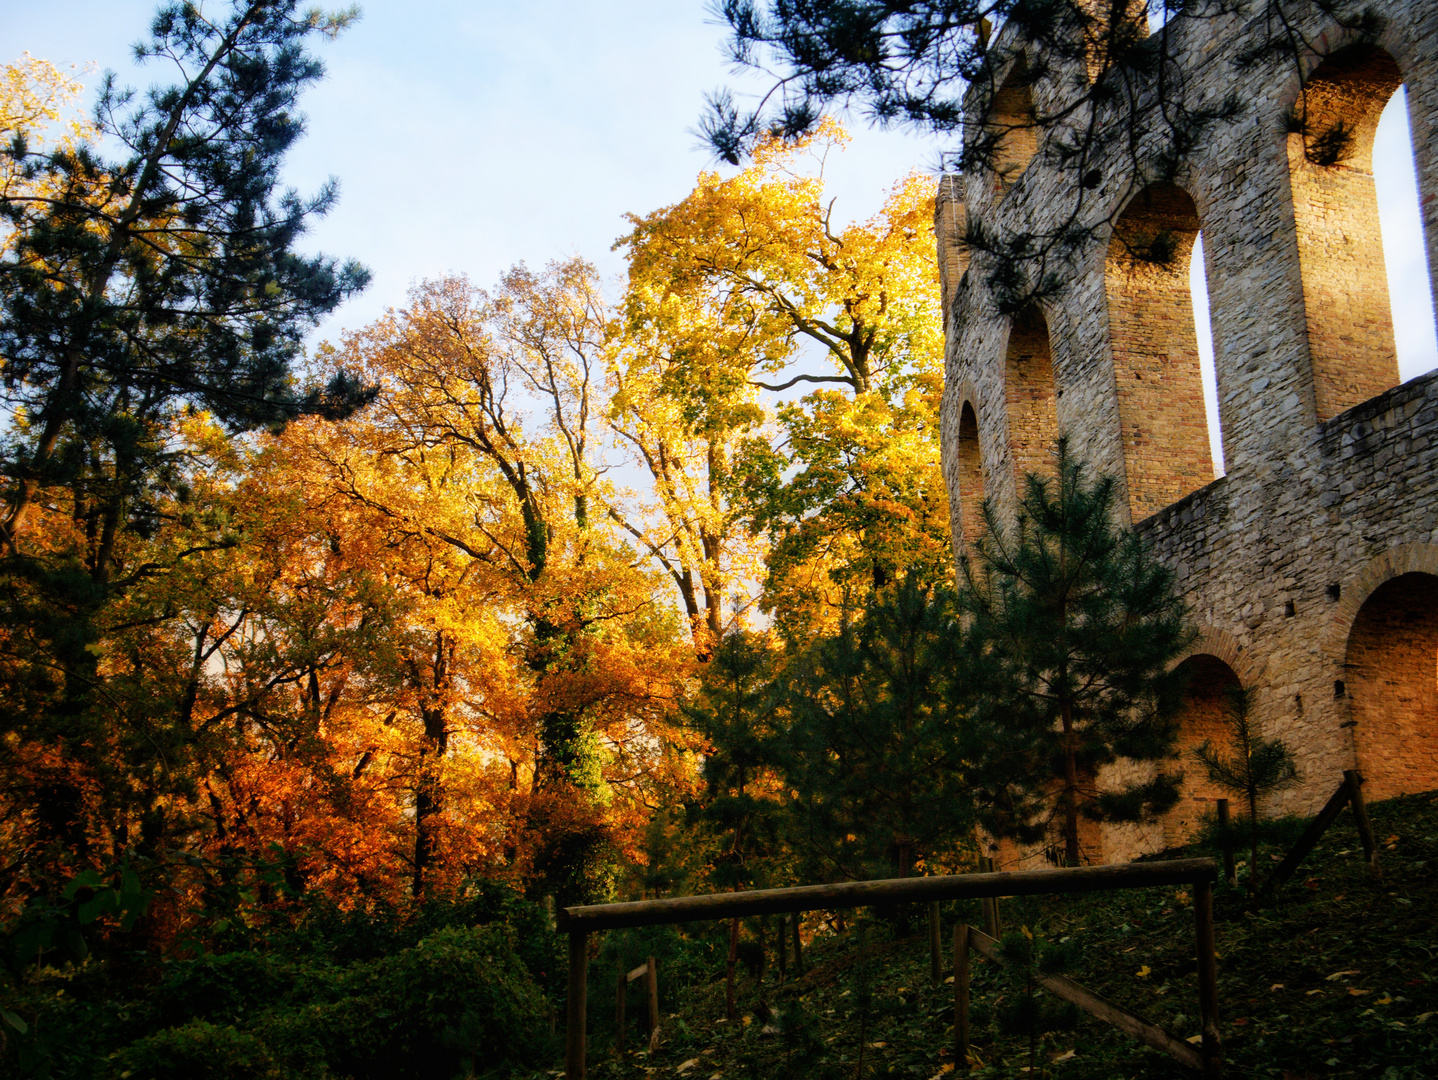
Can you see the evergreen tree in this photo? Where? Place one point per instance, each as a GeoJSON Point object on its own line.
{"type": "Point", "coordinates": [734, 715]}
{"type": "Point", "coordinates": [135, 287]}
{"type": "Point", "coordinates": [872, 750]}
{"type": "Point", "coordinates": [1257, 767]}
{"type": "Point", "coordinates": [1073, 629]}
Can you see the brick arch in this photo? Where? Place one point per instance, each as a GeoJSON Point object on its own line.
{"type": "Point", "coordinates": [1332, 116]}
{"type": "Point", "coordinates": [1163, 423]}
{"type": "Point", "coordinates": [1030, 398]}
{"type": "Point", "coordinates": [1220, 644]}
{"type": "Point", "coordinates": [970, 468]}
{"type": "Point", "coordinates": [1011, 126]}
{"type": "Point", "coordinates": [1200, 719]}
{"type": "Point", "coordinates": [1418, 558]}
{"type": "Point", "coordinates": [1382, 646]}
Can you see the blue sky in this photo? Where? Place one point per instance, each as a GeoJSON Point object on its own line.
{"type": "Point", "coordinates": [468, 136]}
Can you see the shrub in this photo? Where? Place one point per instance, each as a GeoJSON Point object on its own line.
{"type": "Point", "coordinates": [459, 1000]}
{"type": "Point", "coordinates": [199, 1048]}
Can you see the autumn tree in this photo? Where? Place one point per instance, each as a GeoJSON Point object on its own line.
{"type": "Point", "coordinates": [760, 271]}
{"type": "Point", "coordinates": [1072, 631]}
{"type": "Point", "coordinates": [478, 455]}
{"type": "Point", "coordinates": [146, 272]}
{"type": "Point", "coordinates": [678, 412]}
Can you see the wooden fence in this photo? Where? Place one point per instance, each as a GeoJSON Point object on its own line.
{"type": "Point", "coordinates": [580, 922]}
{"type": "Point", "coordinates": [1350, 792]}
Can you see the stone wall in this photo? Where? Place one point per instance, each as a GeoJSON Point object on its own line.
{"type": "Point", "coordinates": [1331, 489]}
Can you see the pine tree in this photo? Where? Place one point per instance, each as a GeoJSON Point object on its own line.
{"type": "Point", "coordinates": [1072, 632]}
{"type": "Point", "coordinates": [872, 749]}
{"type": "Point", "coordinates": [734, 716]}
{"type": "Point", "coordinates": [166, 278]}
{"type": "Point", "coordinates": [1257, 767]}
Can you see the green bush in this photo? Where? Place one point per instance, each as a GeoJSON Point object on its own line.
{"type": "Point", "coordinates": [233, 985]}
{"type": "Point", "coordinates": [458, 1002]}
{"type": "Point", "coordinates": [197, 1049]}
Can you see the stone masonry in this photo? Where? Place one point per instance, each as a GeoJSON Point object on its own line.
{"type": "Point", "coordinates": [1312, 565]}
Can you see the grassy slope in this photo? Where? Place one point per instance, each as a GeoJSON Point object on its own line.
{"type": "Point", "coordinates": [1337, 978]}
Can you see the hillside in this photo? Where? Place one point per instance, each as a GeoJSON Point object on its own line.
{"type": "Point", "coordinates": [1335, 978]}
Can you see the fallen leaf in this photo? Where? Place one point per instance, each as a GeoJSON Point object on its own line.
{"type": "Point", "coordinates": [1422, 1018]}
{"type": "Point", "coordinates": [1144, 972]}
{"type": "Point", "coordinates": [1357, 992]}
{"type": "Point", "coordinates": [944, 1070]}
{"type": "Point", "coordinates": [1068, 1055]}
{"type": "Point", "coordinates": [1385, 1000]}
{"type": "Point", "coordinates": [1312, 992]}
{"type": "Point", "coordinates": [1276, 986]}
{"type": "Point", "coordinates": [949, 979]}
{"type": "Point", "coordinates": [1195, 1039]}
{"type": "Point", "coordinates": [878, 1045]}
{"type": "Point", "coordinates": [686, 1066]}
{"type": "Point", "coordinates": [1339, 974]}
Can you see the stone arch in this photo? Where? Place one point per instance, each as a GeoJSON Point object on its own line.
{"type": "Point", "coordinates": [1390, 684]}
{"type": "Point", "coordinates": [1163, 419]}
{"type": "Point", "coordinates": [1029, 396]}
{"type": "Point", "coordinates": [971, 475]}
{"type": "Point", "coordinates": [1335, 207]}
{"type": "Point", "coordinates": [1011, 126]}
{"type": "Point", "coordinates": [1211, 681]}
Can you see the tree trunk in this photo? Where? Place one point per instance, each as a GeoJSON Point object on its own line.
{"type": "Point", "coordinates": [1070, 796]}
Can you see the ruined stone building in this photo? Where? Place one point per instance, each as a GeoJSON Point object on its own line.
{"type": "Point", "coordinates": [1311, 565]}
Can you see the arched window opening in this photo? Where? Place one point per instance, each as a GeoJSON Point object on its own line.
{"type": "Point", "coordinates": [1202, 718]}
{"type": "Point", "coordinates": [1405, 255]}
{"type": "Point", "coordinates": [1391, 685]}
{"type": "Point", "coordinates": [1163, 418]}
{"type": "Point", "coordinates": [1198, 290]}
{"type": "Point", "coordinates": [1011, 127]}
{"type": "Point", "coordinates": [1029, 394]}
{"type": "Point", "coordinates": [1335, 208]}
{"type": "Point", "coordinates": [971, 477]}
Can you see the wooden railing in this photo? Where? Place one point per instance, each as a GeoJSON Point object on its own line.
{"type": "Point", "coordinates": [580, 922]}
{"type": "Point", "coordinates": [1350, 792]}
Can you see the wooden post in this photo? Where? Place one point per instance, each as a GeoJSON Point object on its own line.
{"type": "Point", "coordinates": [653, 981]}
{"type": "Point", "coordinates": [575, 1005]}
{"type": "Point", "coordinates": [990, 903]}
{"type": "Point", "coordinates": [1316, 828]}
{"type": "Point", "coordinates": [961, 998]}
{"type": "Point", "coordinates": [1230, 870]}
{"type": "Point", "coordinates": [936, 963]}
{"type": "Point", "coordinates": [1129, 1023]}
{"type": "Point", "coordinates": [798, 946]}
{"type": "Point", "coordinates": [621, 991]}
{"type": "Point", "coordinates": [1211, 1048]}
{"type": "Point", "coordinates": [731, 1010]}
{"type": "Point", "coordinates": [1354, 779]}
{"type": "Point", "coordinates": [781, 948]}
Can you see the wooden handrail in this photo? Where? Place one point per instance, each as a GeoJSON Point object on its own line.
{"type": "Point", "coordinates": [847, 894]}
{"type": "Point", "coordinates": [579, 922]}
{"type": "Point", "coordinates": [1129, 1023]}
